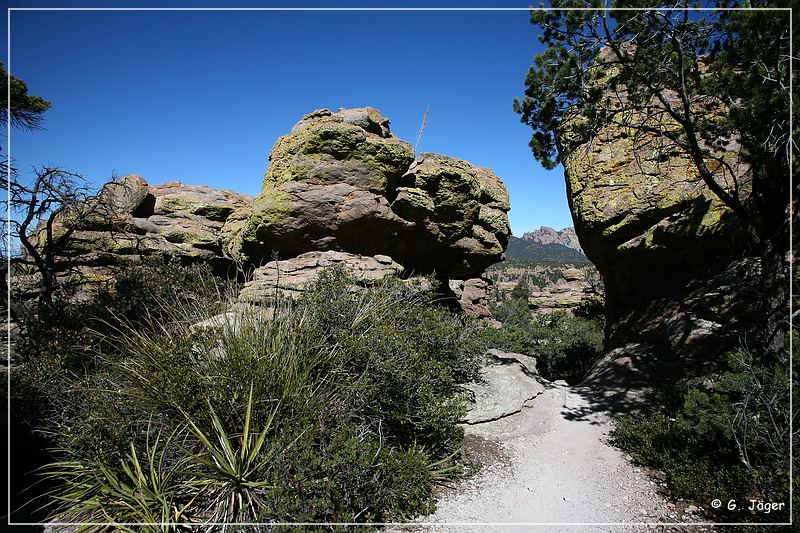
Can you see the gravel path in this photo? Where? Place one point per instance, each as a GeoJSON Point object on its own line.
{"type": "Point", "coordinates": [550, 464]}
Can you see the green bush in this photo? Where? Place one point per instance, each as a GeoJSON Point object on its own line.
{"type": "Point", "coordinates": [339, 406]}
{"type": "Point", "coordinates": [565, 346]}
{"type": "Point", "coordinates": [60, 340]}
{"type": "Point", "coordinates": [726, 440]}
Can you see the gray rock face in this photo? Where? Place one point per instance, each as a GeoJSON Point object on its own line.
{"type": "Point", "coordinates": [508, 384]}
{"type": "Point", "coordinates": [707, 318]}
{"type": "Point", "coordinates": [289, 277]}
{"type": "Point", "coordinates": [341, 181]}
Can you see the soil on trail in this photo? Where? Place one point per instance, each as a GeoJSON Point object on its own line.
{"type": "Point", "coordinates": [550, 463]}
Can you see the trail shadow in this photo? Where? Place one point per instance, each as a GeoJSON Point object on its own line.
{"type": "Point", "coordinates": [623, 383]}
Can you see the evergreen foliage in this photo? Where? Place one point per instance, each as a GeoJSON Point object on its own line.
{"type": "Point", "coordinates": [26, 110]}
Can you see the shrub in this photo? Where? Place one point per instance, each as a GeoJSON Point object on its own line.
{"type": "Point", "coordinates": [340, 406]}
{"type": "Point", "coordinates": [727, 440]}
{"type": "Point", "coordinates": [60, 340]}
{"type": "Point", "coordinates": [565, 346]}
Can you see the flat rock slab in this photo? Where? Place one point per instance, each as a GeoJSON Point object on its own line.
{"type": "Point", "coordinates": [506, 385]}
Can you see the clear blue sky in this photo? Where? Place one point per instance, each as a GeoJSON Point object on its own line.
{"type": "Point", "coordinates": [202, 96]}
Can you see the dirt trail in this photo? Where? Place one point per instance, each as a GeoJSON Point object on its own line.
{"type": "Point", "coordinates": [550, 463]}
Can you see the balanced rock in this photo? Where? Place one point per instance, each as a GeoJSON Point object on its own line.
{"type": "Point", "coordinates": [326, 188]}
{"type": "Point", "coordinates": [341, 181]}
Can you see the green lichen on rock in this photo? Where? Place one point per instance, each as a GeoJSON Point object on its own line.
{"type": "Point", "coordinates": [232, 231]}
{"type": "Point", "coordinates": [494, 220]}
{"type": "Point", "coordinates": [647, 220]}
{"type": "Point", "coordinates": [413, 204]}
{"type": "Point", "coordinates": [271, 210]}
{"type": "Point", "coordinates": [493, 192]}
{"type": "Point", "coordinates": [194, 237]}
{"type": "Point", "coordinates": [454, 187]}
{"type": "Point", "coordinates": [173, 205]}
{"type": "Point", "coordinates": [249, 232]}
{"type": "Point", "coordinates": [311, 153]}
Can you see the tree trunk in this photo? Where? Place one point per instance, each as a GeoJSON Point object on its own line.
{"type": "Point", "coordinates": [774, 312]}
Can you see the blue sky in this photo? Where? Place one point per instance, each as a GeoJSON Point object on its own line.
{"type": "Point", "coordinates": [203, 96]}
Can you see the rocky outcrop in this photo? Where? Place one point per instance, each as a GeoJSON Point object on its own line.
{"type": "Point", "coordinates": [647, 220]}
{"type": "Point", "coordinates": [341, 181]}
{"type": "Point", "coordinates": [290, 276]}
{"type": "Point", "coordinates": [130, 219]}
{"type": "Point", "coordinates": [340, 188]}
{"type": "Point", "coordinates": [567, 294]}
{"type": "Point", "coordinates": [545, 235]}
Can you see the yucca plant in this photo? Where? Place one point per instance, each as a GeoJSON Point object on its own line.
{"type": "Point", "coordinates": [139, 491]}
{"type": "Point", "coordinates": [231, 470]}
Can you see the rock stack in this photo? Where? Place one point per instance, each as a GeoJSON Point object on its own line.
{"type": "Point", "coordinates": [340, 188]}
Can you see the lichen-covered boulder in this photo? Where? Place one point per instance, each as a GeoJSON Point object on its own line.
{"type": "Point", "coordinates": [341, 181]}
{"type": "Point", "coordinates": [458, 210]}
{"type": "Point", "coordinates": [326, 188]}
{"type": "Point", "coordinates": [644, 216]}
{"type": "Point", "coordinates": [129, 219]}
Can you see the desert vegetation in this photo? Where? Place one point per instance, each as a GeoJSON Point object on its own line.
{"type": "Point", "coordinates": [340, 406]}
{"type": "Point", "coordinates": [721, 436]}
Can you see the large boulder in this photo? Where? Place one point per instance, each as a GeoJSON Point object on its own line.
{"type": "Point", "coordinates": [644, 216]}
{"type": "Point", "coordinates": [327, 188]}
{"type": "Point", "coordinates": [341, 181]}
{"type": "Point", "coordinates": [458, 210]}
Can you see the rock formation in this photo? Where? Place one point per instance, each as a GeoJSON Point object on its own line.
{"type": "Point", "coordinates": [569, 293]}
{"type": "Point", "coordinates": [341, 181]}
{"type": "Point", "coordinates": [651, 226]}
{"type": "Point", "coordinates": [130, 219]}
{"type": "Point", "coordinates": [339, 189]}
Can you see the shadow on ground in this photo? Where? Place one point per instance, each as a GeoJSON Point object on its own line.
{"type": "Point", "coordinates": [624, 382]}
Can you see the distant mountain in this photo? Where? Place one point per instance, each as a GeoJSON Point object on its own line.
{"type": "Point", "coordinates": [544, 235]}
{"type": "Point", "coordinates": [530, 250]}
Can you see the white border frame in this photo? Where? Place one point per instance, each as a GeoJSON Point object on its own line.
{"type": "Point", "coordinates": [421, 524]}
